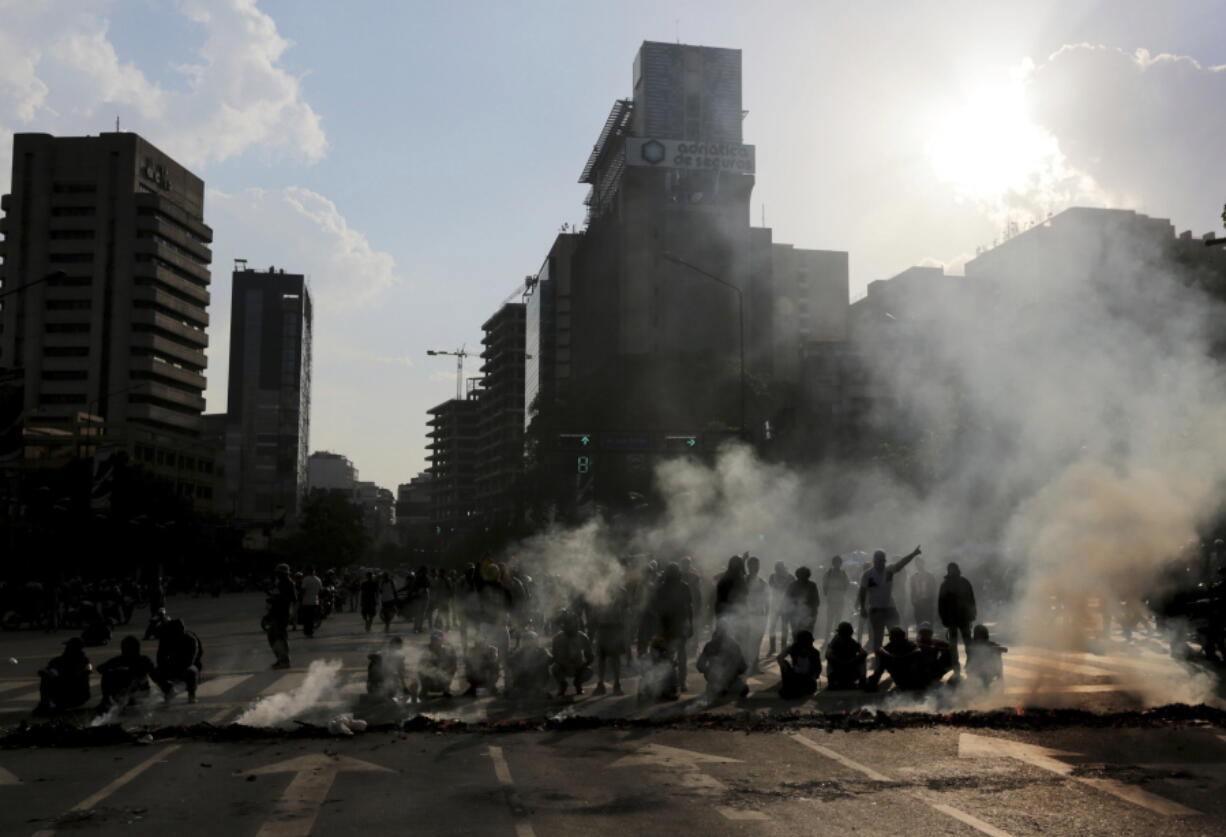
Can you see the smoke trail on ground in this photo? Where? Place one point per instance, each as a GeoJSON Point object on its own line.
{"type": "Point", "coordinates": [321, 685]}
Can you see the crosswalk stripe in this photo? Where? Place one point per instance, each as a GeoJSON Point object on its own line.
{"type": "Point", "coordinates": [217, 686]}
{"type": "Point", "coordinates": [17, 686]}
{"type": "Point", "coordinates": [285, 683]}
{"type": "Point", "coordinates": [1060, 665]}
{"type": "Point", "coordinates": [1066, 689]}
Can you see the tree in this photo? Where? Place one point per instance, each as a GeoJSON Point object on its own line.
{"type": "Point", "coordinates": [331, 532]}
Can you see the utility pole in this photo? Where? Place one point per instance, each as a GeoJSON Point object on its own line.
{"type": "Point", "coordinates": [459, 355]}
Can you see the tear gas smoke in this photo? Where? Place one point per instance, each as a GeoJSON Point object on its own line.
{"type": "Point", "coordinates": [321, 685]}
{"type": "Point", "coordinates": [1067, 422]}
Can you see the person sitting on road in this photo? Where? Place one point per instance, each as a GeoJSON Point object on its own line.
{"type": "Point", "coordinates": [529, 666]}
{"type": "Point", "coordinates": [800, 664]}
{"type": "Point", "coordinates": [935, 660]}
{"type": "Point", "coordinates": [438, 666]}
{"type": "Point", "coordinates": [984, 665]}
{"type": "Point", "coordinates": [126, 677]}
{"type": "Point", "coordinates": [64, 683]}
{"type": "Point", "coordinates": [156, 622]}
{"type": "Point", "coordinates": [481, 667]}
{"type": "Point", "coordinates": [180, 658]}
{"type": "Point", "coordinates": [723, 665]}
{"type": "Point", "coordinates": [658, 672]}
{"type": "Point", "coordinates": [386, 675]}
{"type": "Point", "coordinates": [900, 658]}
{"type": "Point", "coordinates": [846, 661]}
{"type": "Point", "coordinates": [572, 656]}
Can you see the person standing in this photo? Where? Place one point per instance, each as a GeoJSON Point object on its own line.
{"type": "Point", "coordinates": [369, 600]}
{"type": "Point", "coordinates": [956, 605]}
{"type": "Point", "coordinates": [674, 618]}
{"type": "Point", "coordinates": [803, 601]}
{"type": "Point", "coordinates": [777, 620]}
{"type": "Point", "coordinates": [308, 608]}
{"type": "Point", "coordinates": [730, 595]}
{"type": "Point", "coordinates": [281, 602]}
{"type": "Point", "coordinates": [835, 584]}
{"type": "Point", "coordinates": [757, 600]}
{"type": "Point", "coordinates": [876, 599]}
{"type": "Point", "coordinates": [923, 589]}
{"type": "Point", "coordinates": [387, 601]}
{"type": "Point", "coordinates": [608, 623]}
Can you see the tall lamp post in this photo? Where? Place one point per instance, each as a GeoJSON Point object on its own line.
{"type": "Point", "coordinates": [740, 308]}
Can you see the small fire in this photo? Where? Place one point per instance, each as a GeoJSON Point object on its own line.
{"type": "Point", "coordinates": [1019, 710]}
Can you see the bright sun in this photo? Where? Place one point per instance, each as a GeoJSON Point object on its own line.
{"type": "Point", "coordinates": [988, 149]}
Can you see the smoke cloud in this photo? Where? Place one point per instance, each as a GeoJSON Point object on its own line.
{"type": "Point", "coordinates": [321, 685]}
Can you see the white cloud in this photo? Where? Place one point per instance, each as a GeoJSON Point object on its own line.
{"type": "Point", "coordinates": [304, 232]}
{"type": "Point", "coordinates": [60, 73]}
{"type": "Point", "coordinates": [1147, 126]}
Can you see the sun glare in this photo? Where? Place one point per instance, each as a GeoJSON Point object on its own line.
{"type": "Point", "coordinates": [987, 148]}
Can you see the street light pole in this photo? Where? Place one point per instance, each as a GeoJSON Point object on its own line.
{"type": "Point", "coordinates": [740, 307]}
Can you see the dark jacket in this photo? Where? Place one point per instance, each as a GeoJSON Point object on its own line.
{"type": "Point", "coordinates": [956, 602]}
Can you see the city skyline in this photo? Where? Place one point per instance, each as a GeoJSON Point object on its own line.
{"type": "Point", "coordinates": [379, 197]}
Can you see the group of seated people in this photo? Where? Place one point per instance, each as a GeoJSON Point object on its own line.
{"type": "Point", "coordinates": [64, 683]}
{"type": "Point", "coordinates": [913, 666]}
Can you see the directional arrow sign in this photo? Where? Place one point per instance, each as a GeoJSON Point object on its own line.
{"type": "Point", "coordinates": [585, 440]}
{"type": "Point", "coordinates": [971, 746]}
{"type": "Point", "coordinates": [299, 805]}
{"type": "Point", "coordinates": [683, 765]}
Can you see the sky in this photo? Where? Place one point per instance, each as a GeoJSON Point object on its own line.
{"type": "Point", "coordinates": [416, 159]}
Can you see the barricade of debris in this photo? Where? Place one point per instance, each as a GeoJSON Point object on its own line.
{"type": "Point", "coordinates": [59, 734]}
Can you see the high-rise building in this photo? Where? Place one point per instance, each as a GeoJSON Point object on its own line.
{"type": "Point", "coordinates": [500, 428]}
{"type": "Point", "coordinates": [269, 394]}
{"type": "Point", "coordinates": [327, 471]}
{"type": "Point", "coordinates": [453, 435]}
{"type": "Point", "coordinates": [107, 254]}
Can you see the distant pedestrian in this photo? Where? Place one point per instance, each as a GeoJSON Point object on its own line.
{"type": "Point", "coordinates": [777, 620]}
{"type": "Point", "coordinates": [369, 600]}
{"type": "Point", "coordinates": [757, 603]}
{"type": "Point", "coordinates": [387, 601]}
{"type": "Point", "coordinates": [956, 604]}
{"type": "Point", "coordinates": [835, 585]}
{"type": "Point", "coordinates": [923, 589]}
{"type": "Point", "coordinates": [281, 601]}
{"type": "Point", "coordinates": [802, 601]}
{"type": "Point", "coordinates": [308, 608]}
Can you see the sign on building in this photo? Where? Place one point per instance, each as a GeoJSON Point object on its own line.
{"type": "Point", "coordinates": [730, 157]}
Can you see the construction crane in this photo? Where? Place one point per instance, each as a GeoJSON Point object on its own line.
{"type": "Point", "coordinates": [459, 355]}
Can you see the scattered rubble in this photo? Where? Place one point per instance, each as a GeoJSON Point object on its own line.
{"type": "Point", "coordinates": [63, 734]}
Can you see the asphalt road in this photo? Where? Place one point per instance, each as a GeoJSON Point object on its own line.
{"type": "Point", "coordinates": [933, 780]}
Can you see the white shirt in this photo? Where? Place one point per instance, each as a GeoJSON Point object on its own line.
{"type": "Point", "coordinates": [311, 585]}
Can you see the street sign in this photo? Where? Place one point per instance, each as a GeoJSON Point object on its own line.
{"type": "Point", "coordinates": [681, 442]}
{"type": "Point", "coordinates": [575, 441]}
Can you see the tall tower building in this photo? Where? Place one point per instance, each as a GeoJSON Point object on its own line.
{"type": "Point", "coordinates": [107, 256]}
{"type": "Point", "coordinates": [269, 396]}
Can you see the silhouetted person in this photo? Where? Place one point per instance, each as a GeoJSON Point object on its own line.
{"type": "Point", "coordinates": [694, 582]}
{"type": "Point", "coordinates": [281, 602]}
{"type": "Point", "coordinates": [923, 589]}
{"type": "Point", "coordinates": [529, 666]}
{"type": "Point", "coordinates": [956, 605]}
{"type": "Point", "coordinates": [877, 597]}
{"type": "Point", "coordinates": [572, 656]}
{"type": "Point", "coordinates": [125, 677]}
{"type": "Point", "coordinates": [180, 657]}
{"type": "Point", "coordinates": [608, 622]}
{"type": "Point", "coordinates": [846, 661]}
{"type": "Point", "coordinates": [730, 594]}
{"type": "Point", "coordinates": [386, 673]}
{"type": "Point", "coordinates": [309, 612]}
{"type": "Point", "coordinates": [934, 654]}
{"type": "Point", "coordinates": [757, 602]}
{"type": "Point", "coordinates": [799, 667]}
{"type": "Point", "coordinates": [64, 683]}
{"type": "Point", "coordinates": [723, 665]}
{"type": "Point", "coordinates": [672, 605]}
{"type": "Point", "coordinates": [388, 599]}
{"type": "Point", "coordinates": [658, 673]}
{"type": "Point", "coordinates": [802, 603]}
{"type": "Point", "coordinates": [901, 659]}
{"type": "Point", "coordinates": [835, 585]}
{"type": "Point", "coordinates": [983, 658]}
{"type": "Point", "coordinates": [480, 666]}
{"type": "Point", "coordinates": [438, 666]}
{"type": "Point", "coordinates": [777, 619]}
{"type": "Point", "coordinates": [368, 596]}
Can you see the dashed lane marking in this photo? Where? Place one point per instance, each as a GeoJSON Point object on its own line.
{"type": "Point", "coordinates": [285, 683]}
{"type": "Point", "coordinates": [502, 771]}
{"type": "Point", "coordinates": [93, 800]}
{"type": "Point", "coordinates": [1061, 665]}
{"type": "Point", "coordinates": [948, 810]}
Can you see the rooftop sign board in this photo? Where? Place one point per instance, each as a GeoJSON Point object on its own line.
{"type": "Point", "coordinates": [730, 157]}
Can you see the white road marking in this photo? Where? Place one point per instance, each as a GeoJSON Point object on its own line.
{"type": "Point", "coordinates": [685, 772]}
{"type": "Point", "coordinates": [284, 683]}
{"type": "Point", "coordinates": [299, 806]}
{"type": "Point", "coordinates": [502, 771]}
{"type": "Point", "coordinates": [982, 746]}
{"type": "Point", "coordinates": [7, 778]}
{"type": "Point", "coordinates": [17, 685]}
{"type": "Point", "coordinates": [1065, 689]}
{"type": "Point", "coordinates": [948, 810]}
{"type": "Point", "coordinates": [92, 800]}
{"type": "Point", "coordinates": [1059, 665]}
{"type": "Point", "coordinates": [218, 686]}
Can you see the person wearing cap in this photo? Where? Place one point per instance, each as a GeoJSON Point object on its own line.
{"type": "Point", "coordinates": [280, 606]}
{"type": "Point", "coordinates": [438, 666]}
{"type": "Point", "coordinates": [846, 661]}
{"type": "Point", "coordinates": [64, 683]}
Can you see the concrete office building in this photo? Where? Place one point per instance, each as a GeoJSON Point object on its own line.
{"type": "Point", "coordinates": [500, 423]}
{"type": "Point", "coordinates": [327, 471]}
{"type": "Point", "coordinates": [453, 438]}
{"type": "Point", "coordinates": [269, 394]}
{"type": "Point", "coordinates": [109, 337]}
